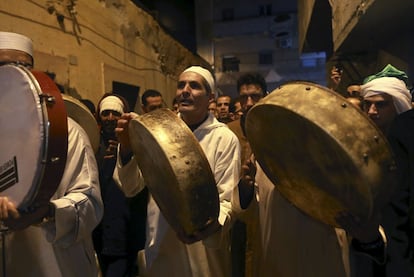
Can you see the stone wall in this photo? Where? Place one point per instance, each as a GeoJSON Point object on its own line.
{"type": "Point", "coordinates": [89, 44]}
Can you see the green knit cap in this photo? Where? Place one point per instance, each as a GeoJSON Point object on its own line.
{"type": "Point", "coordinates": [388, 71]}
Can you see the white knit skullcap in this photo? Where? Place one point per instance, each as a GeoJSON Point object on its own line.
{"type": "Point", "coordinates": [391, 86]}
{"type": "Point", "coordinates": [204, 73]}
{"type": "Point", "coordinates": [14, 41]}
{"type": "Point", "coordinates": [112, 103]}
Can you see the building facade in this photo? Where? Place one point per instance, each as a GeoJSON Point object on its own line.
{"type": "Point", "coordinates": [240, 36]}
{"type": "Point", "coordinates": [362, 36]}
{"type": "Point", "coordinates": [97, 46]}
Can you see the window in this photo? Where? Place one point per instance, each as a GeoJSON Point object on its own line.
{"type": "Point", "coordinates": [129, 92]}
{"type": "Point", "coordinates": [265, 9]}
{"type": "Point", "coordinates": [228, 14]}
{"type": "Point", "coordinates": [266, 57]}
{"type": "Point", "coordinates": [230, 64]}
{"type": "Point", "coordinates": [284, 43]}
{"type": "Point", "coordinates": [313, 59]}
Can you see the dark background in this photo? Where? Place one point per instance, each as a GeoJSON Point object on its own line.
{"type": "Point", "coordinates": [176, 17]}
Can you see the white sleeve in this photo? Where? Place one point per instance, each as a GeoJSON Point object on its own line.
{"type": "Point", "coordinates": [128, 177]}
{"type": "Point", "coordinates": [77, 199]}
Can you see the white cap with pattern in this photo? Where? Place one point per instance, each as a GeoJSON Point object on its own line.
{"type": "Point", "coordinates": [204, 73]}
{"type": "Point", "coordinates": [14, 41]}
{"type": "Point", "coordinates": [112, 103]}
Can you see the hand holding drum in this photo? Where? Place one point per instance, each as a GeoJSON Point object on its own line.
{"type": "Point", "coordinates": [14, 220]}
{"type": "Point", "coordinates": [176, 172]}
{"type": "Point", "coordinates": [122, 133]}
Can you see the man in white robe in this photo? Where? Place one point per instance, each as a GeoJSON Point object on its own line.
{"type": "Point", "coordinates": [59, 243]}
{"type": "Point", "coordinates": [167, 253]}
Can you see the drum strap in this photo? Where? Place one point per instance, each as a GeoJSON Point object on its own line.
{"type": "Point", "coordinates": [3, 231]}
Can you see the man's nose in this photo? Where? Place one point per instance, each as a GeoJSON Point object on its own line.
{"type": "Point", "coordinates": [187, 87]}
{"type": "Point", "coordinates": [249, 101]}
{"type": "Point", "coordinates": [185, 93]}
{"type": "Point", "coordinates": [110, 116]}
{"type": "Point", "coordinates": [372, 109]}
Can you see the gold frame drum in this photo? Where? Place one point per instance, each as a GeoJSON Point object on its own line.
{"type": "Point", "coordinates": [176, 170]}
{"type": "Point", "coordinates": [322, 153]}
{"type": "Point", "coordinates": [83, 116]}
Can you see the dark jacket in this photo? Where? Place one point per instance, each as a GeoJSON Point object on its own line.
{"type": "Point", "coordinates": [122, 229]}
{"type": "Point", "coordinates": [398, 216]}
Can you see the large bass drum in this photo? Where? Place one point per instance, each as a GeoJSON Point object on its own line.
{"type": "Point", "coordinates": [322, 153]}
{"type": "Point", "coordinates": [35, 137]}
{"type": "Point", "coordinates": [175, 170]}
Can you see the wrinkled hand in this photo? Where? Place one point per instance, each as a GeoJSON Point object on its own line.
{"type": "Point", "coordinates": [7, 209]}
{"type": "Point", "coordinates": [15, 220]}
{"type": "Point", "coordinates": [110, 152]}
{"type": "Point", "coordinates": [336, 75]}
{"type": "Point", "coordinates": [247, 181]}
{"type": "Point", "coordinates": [363, 231]}
{"type": "Point", "coordinates": [200, 235]}
{"type": "Point", "coordinates": [122, 134]}
{"type": "Point", "coordinates": [249, 171]}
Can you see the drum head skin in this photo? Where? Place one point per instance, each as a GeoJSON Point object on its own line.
{"type": "Point", "coordinates": [34, 124]}
{"type": "Point", "coordinates": [81, 114]}
{"type": "Point", "coordinates": [22, 124]}
{"type": "Point", "coordinates": [322, 153]}
{"type": "Point", "coordinates": [175, 170]}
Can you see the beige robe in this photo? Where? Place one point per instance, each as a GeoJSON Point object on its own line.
{"type": "Point", "coordinates": [294, 244]}
{"type": "Point", "coordinates": [62, 247]}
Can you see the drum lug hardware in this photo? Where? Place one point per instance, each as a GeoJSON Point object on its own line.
{"type": "Point", "coordinates": [50, 100]}
{"type": "Point", "coordinates": [344, 105]}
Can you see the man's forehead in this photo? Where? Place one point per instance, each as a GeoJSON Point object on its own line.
{"type": "Point", "coordinates": [11, 55]}
{"type": "Point", "coordinates": [109, 111]}
{"type": "Point", "coordinates": [154, 100]}
{"type": "Point", "coordinates": [379, 97]}
{"type": "Point", "coordinates": [250, 88]}
{"type": "Point", "coordinates": [223, 99]}
{"type": "Point", "coordinates": [190, 76]}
